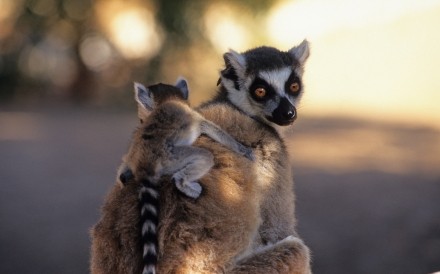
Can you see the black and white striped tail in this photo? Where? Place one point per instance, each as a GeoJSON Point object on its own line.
{"type": "Point", "coordinates": [149, 203]}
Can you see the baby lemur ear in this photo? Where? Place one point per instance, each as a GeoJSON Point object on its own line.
{"type": "Point", "coordinates": [301, 52]}
{"type": "Point", "coordinates": [143, 96]}
{"type": "Point", "coordinates": [182, 84]}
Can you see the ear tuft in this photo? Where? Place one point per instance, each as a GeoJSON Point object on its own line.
{"type": "Point", "coordinates": [143, 96]}
{"type": "Point", "coordinates": [235, 69]}
{"type": "Point", "coordinates": [236, 61]}
{"type": "Point", "coordinates": [182, 84]}
{"type": "Point", "coordinates": [301, 52]}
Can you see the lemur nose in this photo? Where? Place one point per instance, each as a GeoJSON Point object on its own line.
{"type": "Point", "coordinates": [290, 114]}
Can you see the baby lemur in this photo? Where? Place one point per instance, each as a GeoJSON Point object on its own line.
{"type": "Point", "coordinates": [169, 133]}
{"type": "Point", "coordinates": [162, 146]}
{"type": "Point", "coordinates": [244, 221]}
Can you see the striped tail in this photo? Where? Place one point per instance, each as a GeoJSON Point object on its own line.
{"type": "Point", "coordinates": [149, 202]}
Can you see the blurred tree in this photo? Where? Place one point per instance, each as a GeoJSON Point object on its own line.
{"type": "Point", "coordinates": [43, 55]}
{"type": "Point", "coordinates": [61, 49]}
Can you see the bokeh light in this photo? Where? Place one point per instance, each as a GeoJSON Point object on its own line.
{"type": "Point", "coordinates": [50, 60]}
{"type": "Point", "coordinates": [131, 28]}
{"type": "Point", "coordinates": [134, 34]}
{"type": "Point", "coordinates": [226, 27]}
{"type": "Point", "coordinates": [9, 11]}
{"type": "Point", "coordinates": [77, 9]}
{"type": "Point", "coordinates": [95, 52]}
{"type": "Point", "coordinates": [43, 7]}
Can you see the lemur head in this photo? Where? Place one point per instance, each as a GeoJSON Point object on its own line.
{"type": "Point", "coordinates": [152, 96]}
{"type": "Point", "coordinates": [266, 83]}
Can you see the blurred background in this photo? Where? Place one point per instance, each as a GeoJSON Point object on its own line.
{"type": "Point", "coordinates": [365, 150]}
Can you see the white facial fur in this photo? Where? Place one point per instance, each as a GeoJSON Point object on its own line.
{"type": "Point", "coordinates": [275, 78]}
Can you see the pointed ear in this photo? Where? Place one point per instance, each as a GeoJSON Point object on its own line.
{"type": "Point", "coordinates": [301, 52]}
{"type": "Point", "coordinates": [182, 84]}
{"type": "Point", "coordinates": [143, 97]}
{"type": "Point", "coordinates": [236, 61]}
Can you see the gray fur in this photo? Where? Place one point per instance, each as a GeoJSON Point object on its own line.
{"type": "Point", "coordinates": [162, 146]}
{"type": "Point", "coordinates": [143, 96]}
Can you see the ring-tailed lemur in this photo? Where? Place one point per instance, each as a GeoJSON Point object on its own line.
{"type": "Point", "coordinates": [244, 221]}
{"type": "Point", "coordinates": [265, 84]}
{"type": "Point", "coordinates": [259, 91]}
{"type": "Point", "coordinates": [162, 146]}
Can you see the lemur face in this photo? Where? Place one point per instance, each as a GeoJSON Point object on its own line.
{"type": "Point", "coordinates": [266, 83]}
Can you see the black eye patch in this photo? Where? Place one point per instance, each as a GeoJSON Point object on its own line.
{"type": "Point", "coordinates": [261, 83]}
{"type": "Point", "coordinates": [293, 78]}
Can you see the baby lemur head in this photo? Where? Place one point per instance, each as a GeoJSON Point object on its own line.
{"type": "Point", "coordinates": [149, 100]}
{"type": "Point", "coordinates": [265, 82]}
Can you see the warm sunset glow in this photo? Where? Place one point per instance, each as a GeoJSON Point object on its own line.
{"type": "Point", "coordinates": [224, 28]}
{"type": "Point", "coordinates": [134, 33]}
{"type": "Point", "coordinates": [9, 10]}
{"type": "Point", "coordinates": [375, 59]}
{"type": "Point", "coordinates": [290, 21]}
{"type": "Point", "coordinates": [369, 148]}
{"type": "Point", "coordinates": [131, 28]}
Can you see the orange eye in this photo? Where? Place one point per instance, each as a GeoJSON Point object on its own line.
{"type": "Point", "coordinates": [260, 92]}
{"type": "Point", "coordinates": [294, 87]}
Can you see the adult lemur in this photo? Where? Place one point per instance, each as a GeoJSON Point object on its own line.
{"type": "Point", "coordinates": [244, 221]}
{"type": "Point", "coordinates": [264, 85]}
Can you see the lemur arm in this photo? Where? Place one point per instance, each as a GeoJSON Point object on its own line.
{"type": "Point", "coordinates": [219, 135]}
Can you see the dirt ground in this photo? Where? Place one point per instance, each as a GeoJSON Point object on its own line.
{"type": "Point", "coordinates": [367, 192]}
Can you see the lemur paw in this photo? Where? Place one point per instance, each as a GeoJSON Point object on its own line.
{"type": "Point", "coordinates": [190, 189]}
